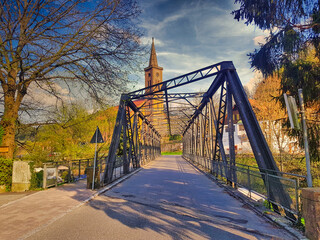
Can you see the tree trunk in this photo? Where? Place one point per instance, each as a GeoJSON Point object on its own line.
{"type": "Point", "coordinates": [9, 119]}
{"type": "Point", "coordinates": [8, 123]}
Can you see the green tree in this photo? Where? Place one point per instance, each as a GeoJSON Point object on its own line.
{"type": "Point", "coordinates": [292, 49]}
{"type": "Point", "coordinates": [47, 43]}
{"type": "Point", "coordinates": [69, 137]}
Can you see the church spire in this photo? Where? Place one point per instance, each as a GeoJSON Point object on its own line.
{"type": "Point", "coordinates": [153, 56]}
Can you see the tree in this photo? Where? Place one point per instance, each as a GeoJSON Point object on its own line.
{"type": "Point", "coordinates": [270, 113]}
{"type": "Point", "coordinates": [77, 44]}
{"type": "Point", "coordinates": [292, 49]}
{"type": "Point", "coordinates": [69, 137]}
{"type": "Point", "coordinates": [294, 28]}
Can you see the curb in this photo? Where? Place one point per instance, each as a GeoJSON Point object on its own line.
{"type": "Point", "coordinates": [111, 185]}
{"type": "Point", "coordinates": [270, 218]}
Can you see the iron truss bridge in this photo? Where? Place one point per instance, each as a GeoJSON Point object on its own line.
{"type": "Point", "coordinates": [161, 110]}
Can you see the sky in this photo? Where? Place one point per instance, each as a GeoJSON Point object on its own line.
{"type": "Point", "coordinates": [191, 34]}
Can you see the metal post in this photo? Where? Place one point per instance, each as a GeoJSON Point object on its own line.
{"type": "Point", "coordinates": [135, 138]}
{"type": "Point", "coordinates": [94, 160]}
{"type": "Point", "coordinates": [56, 173]}
{"type": "Point", "coordinates": [305, 138]}
{"type": "Point", "coordinates": [79, 170]}
{"type": "Point", "coordinates": [297, 195]}
{"type": "Point", "coordinates": [201, 135]}
{"type": "Point", "coordinates": [210, 135]}
{"type": "Point", "coordinates": [124, 134]}
{"type": "Point", "coordinates": [231, 174]}
{"type": "Point", "coordinates": [44, 179]}
{"type": "Point", "coordinates": [268, 189]}
{"type": "Point", "coordinates": [144, 142]}
{"type": "Point", "coordinates": [249, 181]}
{"type": "Point", "coordinates": [69, 171]}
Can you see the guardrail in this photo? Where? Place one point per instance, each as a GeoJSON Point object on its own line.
{"type": "Point", "coordinates": [118, 170]}
{"type": "Point", "coordinates": [67, 171]}
{"type": "Point", "coordinates": [256, 184]}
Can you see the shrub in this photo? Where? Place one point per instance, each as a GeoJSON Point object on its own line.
{"type": "Point", "coordinates": [36, 180]}
{"type": "Point", "coordinates": [6, 172]}
{"type": "Point", "coordinates": [1, 134]}
{"type": "Point", "coordinates": [175, 137]}
{"type": "Point", "coordinates": [65, 176]}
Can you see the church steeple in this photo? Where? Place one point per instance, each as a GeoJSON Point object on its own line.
{"type": "Point", "coordinates": [153, 62]}
{"type": "Point", "coordinates": [153, 56]}
{"type": "Point", "coordinates": [153, 76]}
{"type": "Point", "coordinates": [153, 73]}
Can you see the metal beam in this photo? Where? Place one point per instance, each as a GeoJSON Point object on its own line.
{"type": "Point", "coordinates": [108, 173]}
{"type": "Point", "coordinates": [173, 95]}
{"type": "Point", "coordinates": [191, 77]}
{"type": "Point", "coordinates": [168, 114]}
{"type": "Point", "coordinates": [213, 88]}
{"type": "Point", "coordinates": [257, 141]}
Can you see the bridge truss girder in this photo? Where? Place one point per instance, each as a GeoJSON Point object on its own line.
{"type": "Point", "coordinates": [140, 140]}
{"type": "Point", "coordinates": [202, 128]}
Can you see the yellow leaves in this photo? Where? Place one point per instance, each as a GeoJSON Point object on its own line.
{"type": "Point", "coordinates": [266, 106]}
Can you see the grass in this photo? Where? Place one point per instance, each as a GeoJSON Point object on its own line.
{"type": "Point", "coordinates": [172, 153]}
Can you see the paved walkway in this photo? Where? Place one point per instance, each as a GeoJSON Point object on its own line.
{"type": "Point", "coordinates": [8, 197]}
{"type": "Point", "coordinates": [26, 215]}
{"type": "Point", "coordinates": [168, 199]}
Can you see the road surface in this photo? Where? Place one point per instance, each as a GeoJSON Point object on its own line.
{"type": "Point", "coordinates": [168, 199]}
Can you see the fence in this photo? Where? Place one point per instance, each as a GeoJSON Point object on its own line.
{"type": "Point", "coordinates": [59, 172]}
{"type": "Point", "coordinates": [258, 185]}
{"type": "Point", "coordinates": [144, 156]}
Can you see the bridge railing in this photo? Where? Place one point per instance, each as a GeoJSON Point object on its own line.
{"type": "Point", "coordinates": [64, 171]}
{"type": "Point", "coordinates": [256, 184]}
{"type": "Point", "coordinates": [67, 171]}
{"type": "Point", "coordinates": [147, 154]}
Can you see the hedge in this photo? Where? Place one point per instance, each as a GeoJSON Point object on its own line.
{"type": "Point", "coordinates": [6, 172]}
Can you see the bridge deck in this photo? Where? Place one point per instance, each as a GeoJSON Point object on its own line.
{"type": "Point", "coordinates": [168, 199]}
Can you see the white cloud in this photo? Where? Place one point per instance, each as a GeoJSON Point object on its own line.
{"type": "Point", "coordinates": [258, 40]}
{"type": "Point", "coordinates": [147, 41]}
{"type": "Point", "coordinates": [43, 98]}
{"type": "Point", "coordinates": [154, 28]}
{"type": "Point", "coordinates": [194, 35]}
{"type": "Point", "coordinates": [251, 85]}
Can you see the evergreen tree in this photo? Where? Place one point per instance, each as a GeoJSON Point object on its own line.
{"type": "Point", "coordinates": [292, 49]}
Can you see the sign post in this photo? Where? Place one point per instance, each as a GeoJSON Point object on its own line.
{"type": "Point", "coordinates": [294, 122]}
{"type": "Point", "coordinates": [97, 138]}
{"type": "Point", "coordinates": [305, 138]}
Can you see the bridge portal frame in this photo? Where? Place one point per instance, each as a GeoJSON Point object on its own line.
{"type": "Point", "coordinates": [203, 132]}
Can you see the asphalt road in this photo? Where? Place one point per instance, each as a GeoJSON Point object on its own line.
{"type": "Point", "coordinates": [169, 199]}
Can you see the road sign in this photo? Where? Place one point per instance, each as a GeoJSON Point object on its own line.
{"type": "Point", "coordinates": [97, 137]}
{"type": "Point", "coordinates": [292, 111]}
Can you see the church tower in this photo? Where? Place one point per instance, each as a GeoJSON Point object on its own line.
{"type": "Point", "coordinates": [153, 75]}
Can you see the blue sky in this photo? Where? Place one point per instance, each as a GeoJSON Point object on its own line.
{"type": "Point", "coordinates": [191, 34]}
